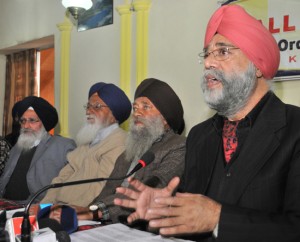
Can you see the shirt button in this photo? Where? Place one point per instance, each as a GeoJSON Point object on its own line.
{"type": "Point", "coordinates": [228, 174]}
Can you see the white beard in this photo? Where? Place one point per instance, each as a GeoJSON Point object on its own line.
{"type": "Point", "coordinates": [88, 132]}
{"type": "Point", "coordinates": [28, 137]}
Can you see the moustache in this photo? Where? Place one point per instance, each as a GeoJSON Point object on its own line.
{"type": "Point", "coordinates": [217, 74]}
{"type": "Point", "coordinates": [139, 119]}
{"type": "Point", "coordinates": [26, 130]}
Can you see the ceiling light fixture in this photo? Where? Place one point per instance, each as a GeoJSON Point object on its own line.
{"type": "Point", "coordinates": [76, 7]}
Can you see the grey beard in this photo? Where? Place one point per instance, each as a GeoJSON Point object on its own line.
{"type": "Point", "coordinates": [236, 91]}
{"type": "Point", "coordinates": [27, 139]}
{"type": "Point", "coordinates": [140, 139]}
{"type": "Point", "coordinates": [88, 132]}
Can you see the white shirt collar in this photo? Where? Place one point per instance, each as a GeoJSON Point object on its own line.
{"type": "Point", "coordinates": [103, 133]}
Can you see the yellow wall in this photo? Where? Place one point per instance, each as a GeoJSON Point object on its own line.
{"type": "Point", "coordinates": [175, 32]}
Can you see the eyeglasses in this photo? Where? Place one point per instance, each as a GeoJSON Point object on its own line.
{"type": "Point", "coordinates": [28, 120]}
{"type": "Point", "coordinates": [144, 107]}
{"type": "Point", "coordinates": [219, 54]}
{"type": "Point", "coordinates": [95, 106]}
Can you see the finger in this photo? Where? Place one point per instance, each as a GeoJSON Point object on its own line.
{"type": "Point", "coordinates": [179, 200]}
{"type": "Point", "coordinates": [163, 212]}
{"type": "Point", "coordinates": [164, 222]}
{"type": "Point", "coordinates": [168, 201]}
{"type": "Point", "coordinates": [173, 184]}
{"type": "Point", "coordinates": [128, 192]}
{"type": "Point", "coordinates": [139, 186]}
{"type": "Point", "coordinates": [125, 203]}
{"type": "Point", "coordinates": [132, 217]}
{"type": "Point", "coordinates": [178, 229]}
{"type": "Point", "coordinates": [55, 213]}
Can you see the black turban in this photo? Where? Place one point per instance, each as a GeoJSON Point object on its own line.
{"type": "Point", "coordinates": [14, 112]}
{"type": "Point", "coordinates": [165, 100]}
{"type": "Point", "coordinates": [44, 110]}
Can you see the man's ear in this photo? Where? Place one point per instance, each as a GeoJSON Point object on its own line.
{"type": "Point", "coordinates": [258, 73]}
{"type": "Point", "coordinates": [167, 126]}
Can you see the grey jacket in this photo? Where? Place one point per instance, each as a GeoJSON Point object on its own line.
{"type": "Point", "coordinates": [169, 162]}
{"type": "Point", "coordinates": [49, 158]}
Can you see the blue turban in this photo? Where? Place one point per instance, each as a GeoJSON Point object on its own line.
{"type": "Point", "coordinates": [114, 98]}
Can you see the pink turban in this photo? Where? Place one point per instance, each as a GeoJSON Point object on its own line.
{"type": "Point", "coordinates": [247, 33]}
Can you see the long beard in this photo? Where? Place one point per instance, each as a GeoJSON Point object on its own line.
{"type": "Point", "coordinates": [28, 137]}
{"type": "Point", "coordinates": [140, 139]}
{"type": "Point", "coordinates": [236, 91]}
{"type": "Point", "coordinates": [88, 132]}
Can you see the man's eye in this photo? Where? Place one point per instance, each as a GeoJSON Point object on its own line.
{"type": "Point", "coordinates": [223, 51]}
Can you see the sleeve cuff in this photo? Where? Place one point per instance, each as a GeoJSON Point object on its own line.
{"type": "Point", "coordinates": [216, 231]}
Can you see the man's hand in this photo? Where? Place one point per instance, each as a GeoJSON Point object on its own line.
{"type": "Point", "coordinates": [83, 213]}
{"type": "Point", "coordinates": [34, 209]}
{"type": "Point", "coordinates": [143, 197]}
{"type": "Point", "coordinates": [55, 212]}
{"type": "Point", "coordinates": [184, 214]}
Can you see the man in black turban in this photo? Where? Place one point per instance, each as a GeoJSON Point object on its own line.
{"type": "Point", "coordinates": [37, 156]}
{"type": "Point", "coordinates": [155, 125]}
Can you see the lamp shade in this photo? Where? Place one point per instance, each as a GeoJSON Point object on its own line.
{"type": "Point", "coordinates": [85, 4]}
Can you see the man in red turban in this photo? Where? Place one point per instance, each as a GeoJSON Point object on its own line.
{"type": "Point", "coordinates": [242, 166]}
{"type": "Point", "coordinates": [248, 34]}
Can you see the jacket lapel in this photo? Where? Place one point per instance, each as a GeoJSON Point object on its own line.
{"type": "Point", "coordinates": [42, 146]}
{"type": "Point", "coordinates": [212, 145]}
{"type": "Point", "coordinates": [261, 143]}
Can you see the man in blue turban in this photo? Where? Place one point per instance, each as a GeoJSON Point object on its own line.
{"type": "Point", "coordinates": [100, 141]}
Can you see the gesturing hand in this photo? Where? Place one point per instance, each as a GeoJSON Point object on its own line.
{"type": "Point", "coordinates": [142, 198]}
{"type": "Point", "coordinates": [186, 214]}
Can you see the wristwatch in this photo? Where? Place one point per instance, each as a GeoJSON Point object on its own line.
{"type": "Point", "coordinates": [94, 209]}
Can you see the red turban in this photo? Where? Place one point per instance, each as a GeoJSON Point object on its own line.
{"type": "Point", "coordinates": [247, 33]}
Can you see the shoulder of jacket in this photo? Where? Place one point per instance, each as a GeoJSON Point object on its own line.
{"type": "Point", "coordinates": [61, 140]}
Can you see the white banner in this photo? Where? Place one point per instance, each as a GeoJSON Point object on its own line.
{"type": "Point", "coordinates": [282, 19]}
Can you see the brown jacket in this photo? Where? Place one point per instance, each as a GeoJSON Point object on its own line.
{"type": "Point", "coordinates": [86, 163]}
{"type": "Point", "coordinates": [169, 162]}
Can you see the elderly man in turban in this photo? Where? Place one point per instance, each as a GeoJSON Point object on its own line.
{"type": "Point", "coordinates": [100, 141]}
{"type": "Point", "coordinates": [37, 156]}
{"type": "Point", "coordinates": [242, 170]}
{"type": "Point", "coordinates": [155, 125]}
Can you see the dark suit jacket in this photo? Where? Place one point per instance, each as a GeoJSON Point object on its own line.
{"type": "Point", "coordinates": [261, 201]}
{"type": "Point", "coordinates": [49, 158]}
{"type": "Point", "coordinates": [168, 162]}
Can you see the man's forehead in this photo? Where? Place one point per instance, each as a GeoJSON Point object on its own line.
{"type": "Point", "coordinates": [95, 98]}
{"type": "Point", "coordinates": [143, 100]}
{"type": "Point", "coordinates": [219, 41]}
{"type": "Point", "coordinates": [30, 112]}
